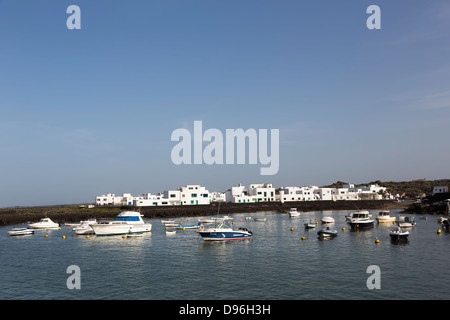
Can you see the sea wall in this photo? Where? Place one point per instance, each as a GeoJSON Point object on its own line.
{"type": "Point", "coordinates": [63, 214]}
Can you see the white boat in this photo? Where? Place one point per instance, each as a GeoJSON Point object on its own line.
{"type": "Point", "coordinates": [294, 213]}
{"type": "Point", "coordinates": [398, 234]}
{"type": "Point", "coordinates": [221, 231]}
{"type": "Point", "coordinates": [44, 223]}
{"type": "Point", "coordinates": [85, 227]}
{"type": "Point", "coordinates": [327, 220]}
{"type": "Point", "coordinates": [260, 219]}
{"type": "Point", "coordinates": [20, 231]}
{"type": "Point", "coordinates": [165, 222]}
{"type": "Point", "coordinates": [360, 220]}
{"type": "Point", "coordinates": [206, 220]}
{"type": "Point", "coordinates": [126, 222]}
{"type": "Point", "coordinates": [408, 222]}
{"type": "Point", "coordinates": [384, 216]}
{"type": "Point", "coordinates": [171, 232]}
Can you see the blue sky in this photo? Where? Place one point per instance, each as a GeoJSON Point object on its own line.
{"type": "Point", "coordinates": [91, 111]}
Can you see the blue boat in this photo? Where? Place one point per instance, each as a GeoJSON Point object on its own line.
{"type": "Point", "coordinates": [221, 231]}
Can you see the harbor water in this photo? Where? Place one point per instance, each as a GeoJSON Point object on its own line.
{"type": "Point", "coordinates": [275, 264]}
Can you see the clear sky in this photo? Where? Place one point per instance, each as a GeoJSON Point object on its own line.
{"type": "Point", "coordinates": [91, 111]}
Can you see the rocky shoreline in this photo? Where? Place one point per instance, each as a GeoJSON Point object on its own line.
{"type": "Point", "coordinates": [62, 214]}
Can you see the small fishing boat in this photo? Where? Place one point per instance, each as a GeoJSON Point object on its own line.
{"type": "Point", "coordinates": [398, 234]}
{"type": "Point", "coordinates": [221, 231]}
{"type": "Point", "coordinates": [187, 226]}
{"type": "Point", "coordinates": [260, 219]}
{"type": "Point", "coordinates": [408, 222]}
{"type": "Point", "coordinates": [248, 218]}
{"type": "Point", "coordinates": [385, 216]}
{"type": "Point", "coordinates": [293, 213]}
{"type": "Point", "coordinates": [44, 223]}
{"type": "Point", "coordinates": [165, 222]}
{"type": "Point", "coordinates": [85, 227]}
{"type": "Point", "coordinates": [206, 220]}
{"type": "Point", "coordinates": [327, 220]}
{"type": "Point", "coordinates": [327, 233]}
{"type": "Point", "coordinates": [20, 231]}
{"type": "Point", "coordinates": [310, 224]}
{"type": "Point", "coordinates": [171, 232]}
{"type": "Point", "coordinates": [360, 220]}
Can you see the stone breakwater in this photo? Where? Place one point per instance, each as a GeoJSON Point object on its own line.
{"type": "Point", "coordinates": [62, 214]}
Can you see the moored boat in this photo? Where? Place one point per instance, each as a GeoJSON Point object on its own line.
{"type": "Point", "coordinates": [408, 222]}
{"type": "Point", "coordinates": [171, 232]}
{"type": "Point", "coordinates": [85, 227]}
{"type": "Point", "coordinates": [126, 222]}
{"type": "Point", "coordinates": [260, 219]}
{"type": "Point", "coordinates": [221, 231]}
{"type": "Point", "coordinates": [398, 234]}
{"type": "Point", "coordinates": [384, 216]}
{"type": "Point", "coordinates": [293, 213]}
{"type": "Point", "coordinates": [327, 220]}
{"type": "Point", "coordinates": [20, 231]}
{"type": "Point", "coordinates": [360, 220]}
{"type": "Point", "coordinates": [44, 223]}
{"type": "Point", "coordinates": [310, 224]}
{"type": "Point", "coordinates": [327, 233]}
{"type": "Point", "coordinates": [187, 226]}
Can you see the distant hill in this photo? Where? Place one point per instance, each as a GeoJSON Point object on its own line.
{"type": "Point", "coordinates": [410, 189]}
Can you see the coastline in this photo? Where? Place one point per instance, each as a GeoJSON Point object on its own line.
{"type": "Point", "coordinates": [61, 214]}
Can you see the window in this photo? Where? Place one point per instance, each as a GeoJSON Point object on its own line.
{"type": "Point", "coordinates": [172, 195]}
{"type": "Point", "coordinates": [194, 195]}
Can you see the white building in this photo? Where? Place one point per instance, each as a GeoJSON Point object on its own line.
{"type": "Point", "coordinates": [256, 192]}
{"type": "Point", "coordinates": [440, 189]}
{"type": "Point", "coordinates": [112, 199]}
{"type": "Point", "coordinates": [218, 196]}
{"type": "Point", "coordinates": [186, 195]}
{"type": "Point", "coordinates": [309, 193]}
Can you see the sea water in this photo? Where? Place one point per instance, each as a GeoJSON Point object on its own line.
{"type": "Point", "coordinates": [275, 264]}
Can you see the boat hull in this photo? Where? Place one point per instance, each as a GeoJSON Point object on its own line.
{"type": "Point", "coordinates": [118, 229]}
{"type": "Point", "coordinates": [386, 220]}
{"type": "Point", "coordinates": [327, 234]}
{"type": "Point", "coordinates": [224, 235]}
{"type": "Point", "coordinates": [399, 237]}
{"type": "Point", "coordinates": [20, 232]}
{"type": "Point", "coordinates": [361, 224]}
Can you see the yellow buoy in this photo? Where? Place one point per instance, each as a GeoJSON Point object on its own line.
{"type": "Point", "coordinates": [59, 228]}
{"type": "Point", "coordinates": [233, 222]}
{"type": "Point", "coordinates": [438, 231]}
{"type": "Point", "coordinates": [87, 237]}
{"type": "Point", "coordinates": [167, 228]}
{"type": "Point", "coordinates": [292, 229]}
{"type": "Point", "coordinates": [184, 228]}
{"type": "Point", "coordinates": [46, 236]}
{"type": "Point", "coordinates": [64, 237]}
{"type": "Point", "coordinates": [317, 222]}
{"type": "Point", "coordinates": [377, 241]}
{"type": "Point", "coordinates": [343, 228]}
{"type": "Point", "coordinates": [303, 238]}
{"type": "Point", "coordinates": [124, 236]}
